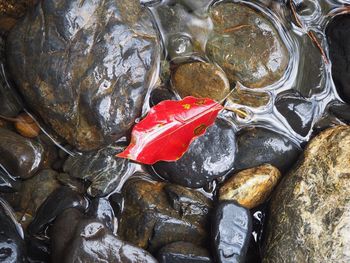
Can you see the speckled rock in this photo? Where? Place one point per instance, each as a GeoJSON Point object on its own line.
{"type": "Point", "coordinates": [236, 27]}
{"type": "Point", "coordinates": [105, 172]}
{"type": "Point", "coordinates": [156, 214]}
{"type": "Point", "coordinates": [85, 67]}
{"type": "Point", "coordinates": [310, 211]}
{"type": "Point", "coordinates": [201, 80]}
{"type": "Point", "coordinates": [250, 187]}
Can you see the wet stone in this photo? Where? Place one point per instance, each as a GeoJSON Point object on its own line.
{"type": "Point", "coordinates": [248, 97]}
{"type": "Point", "coordinates": [183, 252]}
{"type": "Point", "coordinates": [21, 157]}
{"type": "Point", "coordinates": [8, 183]}
{"type": "Point", "coordinates": [237, 26]}
{"type": "Point", "coordinates": [209, 157]}
{"type": "Point", "coordinates": [159, 94]}
{"type": "Point", "coordinates": [338, 37]}
{"type": "Point", "coordinates": [12, 10]}
{"type": "Point", "coordinates": [250, 187]}
{"type": "Point", "coordinates": [12, 246]}
{"type": "Point", "coordinates": [61, 199]}
{"type": "Point", "coordinates": [201, 80]}
{"type": "Point", "coordinates": [105, 172]}
{"type": "Point", "coordinates": [156, 214]}
{"type": "Point", "coordinates": [231, 231]}
{"type": "Point", "coordinates": [298, 112]}
{"type": "Point", "coordinates": [91, 241]}
{"type": "Point", "coordinates": [309, 213]}
{"type": "Point", "coordinates": [257, 146]}
{"type": "Point", "coordinates": [34, 192]}
{"type": "Point", "coordinates": [68, 75]}
{"type": "Point", "coordinates": [341, 111]}
{"type": "Point", "coordinates": [101, 209]}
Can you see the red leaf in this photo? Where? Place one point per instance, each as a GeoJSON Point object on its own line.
{"type": "Point", "coordinates": [169, 128]}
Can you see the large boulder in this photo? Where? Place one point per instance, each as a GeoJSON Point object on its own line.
{"type": "Point", "coordinates": [310, 211]}
{"type": "Point", "coordinates": [85, 67]}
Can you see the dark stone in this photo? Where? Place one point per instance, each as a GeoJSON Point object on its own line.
{"type": "Point", "coordinates": [60, 200]}
{"type": "Point", "coordinates": [8, 183]}
{"type": "Point", "coordinates": [338, 37]}
{"type": "Point", "coordinates": [101, 209]}
{"type": "Point", "coordinates": [21, 157]}
{"type": "Point", "coordinates": [156, 214]}
{"type": "Point", "coordinates": [88, 240]}
{"type": "Point", "coordinates": [12, 246]}
{"type": "Point", "coordinates": [257, 146]}
{"type": "Point", "coordinates": [38, 249]}
{"type": "Point", "coordinates": [62, 232]}
{"type": "Point", "coordinates": [298, 112]}
{"type": "Point", "coordinates": [210, 156]}
{"type": "Point", "coordinates": [85, 67]}
{"type": "Point", "coordinates": [105, 172]}
{"type": "Point", "coordinates": [159, 94]}
{"type": "Point", "coordinates": [35, 190]}
{"type": "Point", "coordinates": [341, 111]}
{"type": "Point", "coordinates": [183, 252]}
{"type": "Point", "coordinates": [231, 231]}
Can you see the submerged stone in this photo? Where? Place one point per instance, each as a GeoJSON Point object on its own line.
{"type": "Point", "coordinates": [201, 80]}
{"type": "Point", "coordinates": [310, 210]}
{"type": "Point", "coordinates": [237, 27]}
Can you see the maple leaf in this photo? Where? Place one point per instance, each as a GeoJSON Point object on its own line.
{"type": "Point", "coordinates": [167, 131]}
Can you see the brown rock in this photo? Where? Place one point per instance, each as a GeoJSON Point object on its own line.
{"type": "Point", "coordinates": [310, 210]}
{"type": "Point", "coordinates": [199, 79]}
{"type": "Point", "coordinates": [11, 11]}
{"type": "Point", "coordinates": [26, 126]}
{"type": "Point", "coordinates": [251, 187]}
{"type": "Point", "coordinates": [246, 45]}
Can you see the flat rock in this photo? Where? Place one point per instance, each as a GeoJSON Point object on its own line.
{"type": "Point", "coordinates": [246, 45]}
{"type": "Point", "coordinates": [85, 67]}
{"type": "Point", "coordinates": [310, 210]}
{"type": "Point", "coordinates": [250, 187]}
